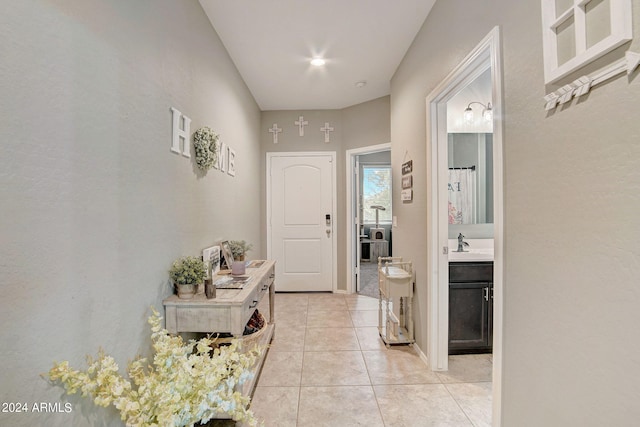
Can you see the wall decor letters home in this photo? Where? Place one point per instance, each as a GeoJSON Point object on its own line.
{"type": "Point", "coordinates": [180, 133]}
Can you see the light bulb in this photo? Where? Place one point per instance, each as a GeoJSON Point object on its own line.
{"type": "Point", "coordinates": [488, 113]}
{"type": "Point", "coordinates": [318, 62]}
{"type": "Point", "coordinates": [468, 115]}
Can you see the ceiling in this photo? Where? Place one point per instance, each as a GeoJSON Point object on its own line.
{"type": "Point", "coordinates": [272, 41]}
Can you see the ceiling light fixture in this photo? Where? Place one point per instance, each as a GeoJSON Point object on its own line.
{"type": "Point", "coordinates": [361, 83]}
{"type": "Point", "coordinates": [317, 62]}
{"type": "Point", "coordinates": [487, 112]}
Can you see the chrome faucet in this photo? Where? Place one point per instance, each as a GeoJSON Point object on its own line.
{"type": "Point", "coordinates": [461, 243]}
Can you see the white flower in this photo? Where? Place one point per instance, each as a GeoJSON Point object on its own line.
{"type": "Point", "coordinates": [179, 387]}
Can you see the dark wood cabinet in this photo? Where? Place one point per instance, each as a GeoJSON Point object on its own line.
{"type": "Point", "coordinates": [470, 307]}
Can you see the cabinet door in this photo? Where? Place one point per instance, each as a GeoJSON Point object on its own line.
{"type": "Point", "coordinates": [469, 317]}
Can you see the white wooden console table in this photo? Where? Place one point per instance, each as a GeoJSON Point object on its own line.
{"type": "Point", "coordinates": [228, 312]}
{"type": "Point", "coordinates": [395, 279]}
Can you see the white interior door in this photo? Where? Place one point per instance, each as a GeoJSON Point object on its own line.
{"type": "Point", "coordinates": [301, 215]}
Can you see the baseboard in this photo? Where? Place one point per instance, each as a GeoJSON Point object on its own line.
{"type": "Point", "coordinates": [423, 356]}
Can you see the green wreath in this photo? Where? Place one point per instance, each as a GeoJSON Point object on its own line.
{"type": "Point", "coordinates": [205, 141]}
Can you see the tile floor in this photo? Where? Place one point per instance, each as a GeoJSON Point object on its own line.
{"type": "Point", "coordinates": [328, 367]}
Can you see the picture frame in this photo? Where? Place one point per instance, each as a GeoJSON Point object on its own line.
{"type": "Point", "coordinates": [407, 181]}
{"type": "Point", "coordinates": [211, 258]}
{"type": "Point", "coordinates": [226, 253]}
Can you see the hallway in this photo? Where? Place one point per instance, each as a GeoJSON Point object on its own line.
{"type": "Point", "coordinates": [328, 367]}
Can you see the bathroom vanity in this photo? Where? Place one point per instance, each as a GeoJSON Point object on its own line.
{"type": "Point", "coordinates": [471, 300]}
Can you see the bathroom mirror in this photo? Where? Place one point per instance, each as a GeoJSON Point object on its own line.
{"type": "Point", "coordinates": [470, 160]}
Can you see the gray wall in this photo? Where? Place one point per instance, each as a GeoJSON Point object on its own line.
{"type": "Point", "coordinates": [355, 127]}
{"type": "Point", "coordinates": [94, 205]}
{"type": "Point", "coordinates": [571, 229]}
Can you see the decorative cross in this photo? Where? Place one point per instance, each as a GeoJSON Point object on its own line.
{"type": "Point", "coordinates": [275, 130]}
{"type": "Point", "coordinates": [301, 122]}
{"type": "Point", "coordinates": [326, 129]}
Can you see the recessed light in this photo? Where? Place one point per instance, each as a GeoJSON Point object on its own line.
{"type": "Point", "coordinates": [317, 62]}
{"type": "Point", "coordinates": [361, 83]}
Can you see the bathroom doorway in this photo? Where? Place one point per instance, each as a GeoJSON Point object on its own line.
{"type": "Point", "coordinates": [483, 61]}
{"type": "Point", "coordinates": [369, 232]}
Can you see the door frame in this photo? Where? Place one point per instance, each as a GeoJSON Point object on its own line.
{"type": "Point", "coordinates": [486, 54]}
{"type": "Point", "coordinates": [351, 218]}
{"type": "Point", "coordinates": [334, 199]}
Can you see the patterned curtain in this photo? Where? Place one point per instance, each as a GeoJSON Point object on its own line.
{"type": "Point", "coordinates": [462, 196]}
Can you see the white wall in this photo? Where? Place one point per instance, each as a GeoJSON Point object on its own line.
{"type": "Point", "coordinates": [571, 356]}
{"type": "Point", "coordinates": [94, 206]}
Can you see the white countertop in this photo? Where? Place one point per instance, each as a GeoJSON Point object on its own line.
{"type": "Point", "coordinates": [478, 250]}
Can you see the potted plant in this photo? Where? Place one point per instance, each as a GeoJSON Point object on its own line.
{"type": "Point", "coordinates": [239, 248]}
{"type": "Point", "coordinates": [187, 273]}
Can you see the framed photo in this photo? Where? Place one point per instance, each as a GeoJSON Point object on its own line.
{"type": "Point", "coordinates": [226, 253]}
{"type": "Point", "coordinates": [407, 181]}
{"type": "Point", "coordinates": [211, 258]}
{"type": "Point", "coordinates": [407, 167]}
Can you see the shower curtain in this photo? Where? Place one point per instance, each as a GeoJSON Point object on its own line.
{"type": "Point", "coordinates": [462, 196]}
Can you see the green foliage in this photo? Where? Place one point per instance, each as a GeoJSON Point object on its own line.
{"type": "Point", "coordinates": [239, 248]}
{"type": "Point", "coordinates": [188, 271]}
{"type": "Point", "coordinates": [205, 142]}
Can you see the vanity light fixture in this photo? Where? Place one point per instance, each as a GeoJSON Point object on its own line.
{"type": "Point", "coordinates": [487, 112]}
{"type": "Point", "coordinates": [317, 62]}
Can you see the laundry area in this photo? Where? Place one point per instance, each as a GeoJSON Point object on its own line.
{"type": "Point", "coordinates": [375, 230]}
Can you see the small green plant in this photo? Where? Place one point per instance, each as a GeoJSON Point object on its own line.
{"type": "Point", "coordinates": [239, 248]}
{"type": "Point", "coordinates": [188, 271]}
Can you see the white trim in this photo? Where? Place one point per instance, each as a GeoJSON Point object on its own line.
{"type": "Point", "coordinates": [486, 54]}
{"type": "Point", "coordinates": [334, 207]}
{"type": "Point", "coordinates": [350, 159]}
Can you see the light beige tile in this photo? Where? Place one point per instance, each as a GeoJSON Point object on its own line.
{"type": "Point", "coordinates": [291, 319]}
{"type": "Point", "coordinates": [338, 407]}
{"type": "Point", "coordinates": [398, 365]}
{"type": "Point", "coordinates": [276, 406]}
{"type": "Point", "coordinates": [282, 368]}
{"type": "Point", "coordinates": [362, 319]}
{"type": "Point", "coordinates": [362, 303]}
{"type": "Point", "coordinates": [331, 339]}
{"type": "Point", "coordinates": [475, 400]}
{"type": "Point", "coordinates": [419, 405]}
{"type": "Point", "coordinates": [291, 301]}
{"type": "Point", "coordinates": [329, 319]}
{"type": "Point", "coordinates": [468, 368]}
{"type": "Point", "coordinates": [327, 302]}
{"type": "Point", "coordinates": [334, 368]}
{"type": "Point", "coordinates": [369, 339]}
{"type": "Point", "coordinates": [288, 338]}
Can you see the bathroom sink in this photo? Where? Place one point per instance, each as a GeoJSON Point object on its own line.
{"type": "Point", "coordinates": [478, 250]}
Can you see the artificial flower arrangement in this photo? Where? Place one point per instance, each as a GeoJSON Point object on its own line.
{"type": "Point", "coordinates": [186, 383]}
{"type": "Point", "coordinates": [205, 141]}
{"type": "Point", "coordinates": [187, 273]}
{"type": "Point", "coordinates": [239, 248]}
{"type": "Point", "coordinates": [188, 270]}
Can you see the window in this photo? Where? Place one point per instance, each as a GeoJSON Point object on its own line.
{"type": "Point", "coordinates": [576, 32]}
{"type": "Point", "coordinates": [376, 191]}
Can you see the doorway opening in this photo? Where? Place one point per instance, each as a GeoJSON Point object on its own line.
{"type": "Point", "coordinates": [483, 62]}
{"type": "Point", "coordinates": [369, 232]}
